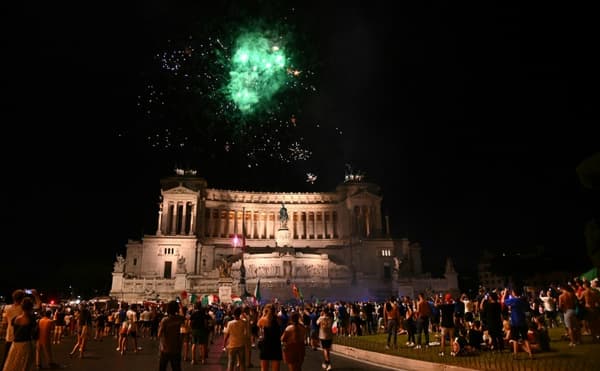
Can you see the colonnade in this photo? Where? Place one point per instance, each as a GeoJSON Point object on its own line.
{"type": "Point", "coordinates": [262, 224]}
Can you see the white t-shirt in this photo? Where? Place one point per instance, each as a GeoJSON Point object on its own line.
{"type": "Point", "coordinates": [10, 312]}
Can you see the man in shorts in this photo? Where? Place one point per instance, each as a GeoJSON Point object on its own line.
{"type": "Point", "coordinates": [325, 322]}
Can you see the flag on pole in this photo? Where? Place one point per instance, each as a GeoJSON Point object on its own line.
{"type": "Point", "coordinates": [257, 294]}
{"type": "Point", "coordinates": [296, 291]}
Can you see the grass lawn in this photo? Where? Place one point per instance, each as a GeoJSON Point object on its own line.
{"type": "Point", "coordinates": [585, 356]}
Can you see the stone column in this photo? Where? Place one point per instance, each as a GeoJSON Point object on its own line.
{"type": "Point", "coordinates": [227, 223]}
{"type": "Point", "coordinates": [158, 228]}
{"type": "Point", "coordinates": [260, 223]}
{"type": "Point", "coordinates": [192, 219]}
{"type": "Point", "coordinates": [209, 222]}
{"type": "Point", "coordinates": [174, 219]}
{"type": "Point", "coordinates": [183, 218]}
{"type": "Point", "coordinates": [221, 230]}
{"type": "Point", "coordinates": [324, 234]}
{"type": "Point", "coordinates": [252, 224]}
{"type": "Point", "coordinates": [293, 223]}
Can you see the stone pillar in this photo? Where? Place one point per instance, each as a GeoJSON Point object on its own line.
{"type": "Point", "coordinates": [227, 223]}
{"type": "Point", "coordinates": [192, 219]}
{"type": "Point", "coordinates": [174, 219]}
{"type": "Point", "coordinates": [293, 223]}
{"type": "Point", "coordinates": [324, 234]}
{"type": "Point", "coordinates": [252, 224]}
{"type": "Point", "coordinates": [180, 282]}
{"type": "Point", "coordinates": [117, 284]}
{"type": "Point", "coordinates": [235, 223]}
{"type": "Point", "coordinates": [158, 228]}
{"type": "Point", "coordinates": [183, 218]}
{"type": "Point", "coordinates": [208, 222]}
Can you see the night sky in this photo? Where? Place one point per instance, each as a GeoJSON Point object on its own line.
{"type": "Point", "coordinates": [471, 119]}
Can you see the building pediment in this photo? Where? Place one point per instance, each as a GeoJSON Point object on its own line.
{"type": "Point", "coordinates": [179, 190]}
{"type": "Point", "coordinates": [364, 195]}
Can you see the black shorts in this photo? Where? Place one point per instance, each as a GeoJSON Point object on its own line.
{"type": "Point", "coordinates": [326, 344]}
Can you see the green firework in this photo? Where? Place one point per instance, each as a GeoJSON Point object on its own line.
{"type": "Point", "coordinates": [257, 71]}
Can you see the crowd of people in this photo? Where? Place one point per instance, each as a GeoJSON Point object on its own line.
{"type": "Point", "coordinates": [499, 320]}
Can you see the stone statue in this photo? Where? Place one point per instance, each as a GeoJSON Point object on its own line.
{"type": "Point", "coordinates": [225, 269]}
{"type": "Point", "coordinates": [397, 263]}
{"type": "Point", "coordinates": [181, 264]}
{"type": "Point", "coordinates": [283, 216]}
{"type": "Point", "coordinates": [119, 264]}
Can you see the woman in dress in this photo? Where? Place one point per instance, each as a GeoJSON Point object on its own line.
{"type": "Point", "coordinates": [21, 355]}
{"type": "Point", "coordinates": [270, 351]}
{"type": "Point", "coordinates": [293, 343]}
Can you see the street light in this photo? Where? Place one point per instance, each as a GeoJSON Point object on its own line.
{"type": "Point", "coordinates": [236, 242]}
{"type": "Point", "coordinates": [242, 267]}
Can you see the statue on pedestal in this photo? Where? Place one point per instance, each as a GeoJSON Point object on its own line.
{"type": "Point", "coordinates": [283, 217]}
{"type": "Point", "coordinates": [225, 269]}
{"type": "Point", "coordinates": [119, 264]}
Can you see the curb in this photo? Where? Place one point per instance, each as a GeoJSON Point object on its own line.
{"type": "Point", "coordinates": [391, 361]}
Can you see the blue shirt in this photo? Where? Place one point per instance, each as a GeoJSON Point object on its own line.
{"type": "Point", "coordinates": [518, 308]}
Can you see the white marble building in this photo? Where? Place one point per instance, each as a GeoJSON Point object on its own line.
{"type": "Point", "coordinates": [332, 245]}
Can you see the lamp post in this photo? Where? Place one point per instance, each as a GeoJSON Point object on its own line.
{"type": "Point", "coordinates": [242, 267]}
{"type": "Point", "coordinates": [236, 242]}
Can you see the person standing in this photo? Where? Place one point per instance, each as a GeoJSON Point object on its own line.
{"type": "Point", "coordinates": [270, 350]}
{"type": "Point", "coordinates": [21, 355]}
{"type": "Point", "coordinates": [199, 324]}
{"type": "Point", "coordinates": [10, 312]}
{"type": "Point", "coordinates": [84, 324]}
{"type": "Point", "coordinates": [235, 341]}
{"type": "Point", "coordinates": [423, 314]}
{"type": "Point", "coordinates": [446, 321]}
{"type": "Point", "coordinates": [44, 357]}
{"type": "Point", "coordinates": [566, 304]}
{"type": "Point", "coordinates": [325, 322]}
{"type": "Point", "coordinates": [518, 321]}
{"type": "Point", "coordinates": [170, 338]}
{"type": "Point", "coordinates": [293, 343]}
{"type": "Point", "coordinates": [491, 313]}
{"type": "Point", "coordinates": [391, 318]}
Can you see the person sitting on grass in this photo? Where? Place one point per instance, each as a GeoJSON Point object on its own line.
{"type": "Point", "coordinates": [476, 335]}
{"type": "Point", "coordinates": [461, 346]}
{"type": "Point", "coordinates": [539, 339]}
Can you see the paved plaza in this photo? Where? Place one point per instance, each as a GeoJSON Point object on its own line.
{"type": "Point", "coordinates": [102, 356]}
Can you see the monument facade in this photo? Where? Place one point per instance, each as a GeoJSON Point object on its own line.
{"type": "Point", "coordinates": [331, 245]}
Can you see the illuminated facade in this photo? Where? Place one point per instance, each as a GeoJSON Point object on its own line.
{"type": "Point", "coordinates": [331, 245]}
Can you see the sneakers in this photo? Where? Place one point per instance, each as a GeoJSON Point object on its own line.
{"type": "Point", "coordinates": [417, 347]}
{"type": "Point", "coordinates": [387, 347]}
{"type": "Point", "coordinates": [324, 365]}
{"type": "Point", "coordinates": [441, 354]}
{"type": "Point", "coordinates": [329, 367]}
